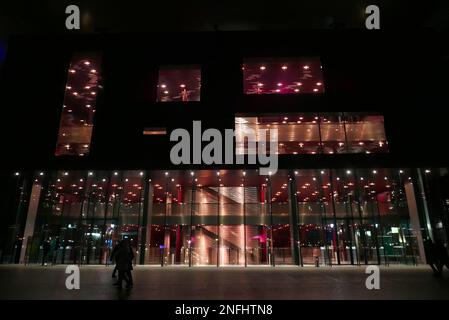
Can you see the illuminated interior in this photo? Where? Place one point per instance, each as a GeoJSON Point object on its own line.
{"type": "Point", "coordinates": [230, 217]}
{"type": "Point", "coordinates": [310, 133]}
{"type": "Point", "coordinates": [282, 76]}
{"type": "Point", "coordinates": [179, 83]}
{"type": "Point", "coordinates": [83, 84]}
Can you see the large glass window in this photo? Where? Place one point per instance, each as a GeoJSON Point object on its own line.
{"type": "Point", "coordinates": [282, 76]}
{"type": "Point", "coordinates": [281, 224]}
{"type": "Point", "coordinates": [229, 217]}
{"type": "Point", "coordinates": [83, 85]}
{"type": "Point", "coordinates": [310, 133]}
{"type": "Point", "coordinates": [365, 133]}
{"type": "Point", "coordinates": [179, 83]}
{"type": "Point", "coordinates": [312, 201]}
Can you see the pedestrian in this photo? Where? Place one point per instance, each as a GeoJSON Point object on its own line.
{"type": "Point", "coordinates": [431, 256]}
{"type": "Point", "coordinates": [442, 256]}
{"type": "Point", "coordinates": [130, 268]}
{"type": "Point", "coordinates": [112, 258]}
{"type": "Point", "coordinates": [123, 260]}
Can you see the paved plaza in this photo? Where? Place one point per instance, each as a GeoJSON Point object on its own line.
{"type": "Point", "coordinates": [343, 282]}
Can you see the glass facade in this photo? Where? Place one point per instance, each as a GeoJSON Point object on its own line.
{"type": "Point", "coordinates": [83, 84]}
{"type": "Point", "coordinates": [313, 133]}
{"type": "Point", "coordinates": [227, 217]}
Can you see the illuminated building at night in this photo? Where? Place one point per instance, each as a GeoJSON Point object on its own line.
{"type": "Point", "coordinates": [87, 150]}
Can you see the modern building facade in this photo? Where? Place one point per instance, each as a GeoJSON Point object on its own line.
{"type": "Point", "coordinates": [362, 175]}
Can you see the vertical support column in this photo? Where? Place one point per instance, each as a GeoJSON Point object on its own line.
{"type": "Point", "coordinates": [323, 217]}
{"type": "Point", "coordinates": [192, 212]}
{"type": "Point", "coordinates": [17, 198]}
{"type": "Point", "coordinates": [217, 241]}
{"type": "Point", "coordinates": [334, 231]}
{"type": "Point", "coordinates": [414, 219]}
{"type": "Point", "coordinates": [244, 221]}
{"type": "Point", "coordinates": [31, 218]}
{"type": "Point", "coordinates": [105, 215]}
{"type": "Point", "coordinates": [270, 254]}
{"type": "Point", "coordinates": [294, 225]}
{"type": "Point", "coordinates": [361, 230]}
{"type": "Point", "coordinates": [351, 232]}
{"type": "Point", "coordinates": [423, 210]}
{"type": "Point", "coordinates": [166, 243]}
{"type": "Point", "coordinates": [145, 226]}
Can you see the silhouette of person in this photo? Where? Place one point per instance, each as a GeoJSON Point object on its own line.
{"type": "Point", "coordinates": [114, 251]}
{"type": "Point", "coordinates": [130, 268]}
{"type": "Point", "coordinates": [442, 256]}
{"type": "Point", "coordinates": [431, 256]}
{"type": "Point", "coordinates": [123, 260]}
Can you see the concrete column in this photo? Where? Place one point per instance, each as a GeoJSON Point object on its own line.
{"type": "Point", "coordinates": [31, 218]}
{"type": "Point", "coordinates": [414, 219]}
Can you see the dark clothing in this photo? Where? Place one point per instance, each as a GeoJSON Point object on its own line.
{"type": "Point", "coordinates": [114, 251]}
{"type": "Point", "coordinates": [114, 272]}
{"type": "Point", "coordinates": [436, 256]}
{"type": "Point", "coordinates": [442, 256]}
{"type": "Point", "coordinates": [130, 278]}
{"type": "Point", "coordinates": [124, 258]}
{"type": "Point", "coordinates": [112, 258]}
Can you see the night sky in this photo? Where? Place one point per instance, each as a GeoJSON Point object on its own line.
{"type": "Point", "coordinates": [165, 15]}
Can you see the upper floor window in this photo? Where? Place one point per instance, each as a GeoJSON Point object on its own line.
{"type": "Point", "coordinates": [282, 76]}
{"type": "Point", "coordinates": [310, 133]}
{"type": "Point", "coordinates": [83, 84]}
{"type": "Point", "coordinates": [179, 83]}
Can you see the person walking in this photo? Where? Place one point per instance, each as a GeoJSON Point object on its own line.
{"type": "Point", "coordinates": [131, 258]}
{"type": "Point", "coordinates": [431, 256]}
{"type": "Point", "coordinates": [112, 258]}
{"type": "Point", "coordinates": [123, 262]}
{"type": "Point", "coordinates": [442, 256]}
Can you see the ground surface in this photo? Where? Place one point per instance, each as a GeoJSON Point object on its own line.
{"type": "Point", "coordinates": [35, 282]}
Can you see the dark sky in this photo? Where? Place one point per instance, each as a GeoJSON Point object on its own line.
{"type": "Point", "coordinates": [166, 15]}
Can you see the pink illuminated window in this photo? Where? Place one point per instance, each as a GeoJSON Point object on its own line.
{"type": "Point", "coordinates": [179, 83]}
{"type": "Point", "coordinates": [83, 85]}
{"type": "Point", "coordinates": [310, 133]}
{"type": "Point", "coordinates": [282, 76]}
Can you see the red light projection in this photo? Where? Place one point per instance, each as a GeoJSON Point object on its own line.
{"type": "Point", "coordinates": [282, 76]}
